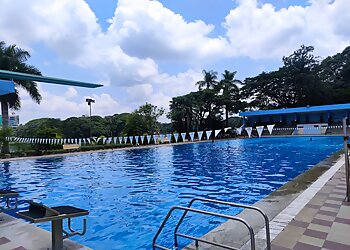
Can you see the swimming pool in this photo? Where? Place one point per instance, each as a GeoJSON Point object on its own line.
{"type": "Point", "coordinates": [129, 192]}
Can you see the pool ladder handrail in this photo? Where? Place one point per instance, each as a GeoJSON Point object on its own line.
{"type": "Point", "coordinates": [186, 209]}
{"type": "Point", "coordinates": [252, 239]}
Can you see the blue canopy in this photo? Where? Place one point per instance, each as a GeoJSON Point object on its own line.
{"type": "Point", "coordinates": [6, 87]}
{"type": "Point", "coordinates": [308, 109]}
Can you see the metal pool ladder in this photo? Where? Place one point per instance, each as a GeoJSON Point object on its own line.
{"type": "Point", "coordinates": [197, 240]}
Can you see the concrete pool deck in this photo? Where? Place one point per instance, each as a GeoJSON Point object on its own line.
{"type": "Point", "coordinates": [300, 212]}
{"type": "Point", "coordinates": [16, 234]}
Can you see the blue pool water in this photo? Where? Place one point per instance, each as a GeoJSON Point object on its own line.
{"type": "Point", "coordinates": [129, 192]}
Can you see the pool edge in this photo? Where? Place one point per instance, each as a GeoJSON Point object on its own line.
{"type": "Point", "coordinates": [278, 205]}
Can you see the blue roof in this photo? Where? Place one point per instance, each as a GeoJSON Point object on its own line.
{"type": "Point", "coordinates": [6, 87]}
{"type": "Point", "coordinates": [308, 109]}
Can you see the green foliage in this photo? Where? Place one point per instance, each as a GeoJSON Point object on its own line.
{"type": "Point", "coordinates": [143, 120]}
{"type": "Point", "coordinates": [3, 134]}
{"type": "Point", "coordinates": [302, 81]}
{"type": "Point", "coordinates": [13, 58]}
{"type": "Point", "coordinates": [203, 109]}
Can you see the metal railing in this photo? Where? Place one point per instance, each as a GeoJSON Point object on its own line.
{"type": "Point", "coordinates": [187, 209]}
{"type": "Point", "coordinates": [266, 219]}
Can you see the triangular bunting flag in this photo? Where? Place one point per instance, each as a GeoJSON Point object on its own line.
{"type": "Point", "coordinates": [155, 138]}
{"type": "Point", "coordinates": [249, 131]}
{"type": "Point", "coordinates": [176, 137]}
{"type": "Point", "coordinates": [148, 138]}
{"type": "Point", "coordinates": [270, 128]}
{"type": "Point", "coordinates": [200, 134]}
{"type": "Point", "coordinates": [183, 135]}
{"type": "Point", "coordinates": [192, 136]}
{"type": "Point", "coordinates": [208, 133]}
{"type": "Point", "coordinates": [169, 137]}
{"type": "Point", "coordinates": [259, 129]}
{"type": "Point", "coordinates": [161, 137]}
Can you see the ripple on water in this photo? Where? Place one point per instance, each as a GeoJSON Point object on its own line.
{"type": "Point", "coordinates": [129, 192]}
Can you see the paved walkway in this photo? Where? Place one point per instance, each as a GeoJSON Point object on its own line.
{"type": "Point", "coordinates": [324, 223]}
{"type": "Point", "coordinates": [15, 234]}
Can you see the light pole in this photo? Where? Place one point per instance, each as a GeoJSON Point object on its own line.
{"type": "Point", "coordinates": [89, 101]}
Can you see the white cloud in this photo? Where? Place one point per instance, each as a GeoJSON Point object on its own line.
{"type": "Point", "coordinates": [144, 35]}
{"type": "Point", "coordinates": [147, 29]}
{"type": "Point", "coordinates": [63, 106]}
{"type": "Point", "coordinates": [262, 31]}
{"type": "Point", "coordinates": [71, 92]}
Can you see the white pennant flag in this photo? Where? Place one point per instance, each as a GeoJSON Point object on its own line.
{"type": "Point", "coordinates": [270, 128]}
{"type": "Point", "coordinates": [161, 137]}
{"type": "Point", "coordinates": [260, 130]}
{"type": "Point", "coordinates": [104, 140]}
{"type": "Point", "coordinates": [183, 135]}
{"type": "Point", "coordinates": [155, 137]}
{"type": "Point", "coordinates": [76, 141]}
{"type": "Point", "coordinates": [148, 138]}
{"type": "Point", "coordinates": [217, 132]}
{"type": "Point", "coordinates": [169, 137]}
{"type": "Point", "coordinates": [125, 139]}
{"type": "Point", "coordinates": [137, 139]}
{"type": "Point", "coordinates": [88, 140]}
{"type": "Point", "coordinates": [200, 134]}
{"type": "Point", "coordinates": [131, 139]}
{"type": "Point", "coordinates": [249, 131]}
{"type": "Point", "coordinates": [239, 131]}
{"type": "Point", "coordinates": [208, 133]}
{"type": "Point", "coordinates": [176, 136]}
{"type": "Point", "coordinates": [109, 140]}
{"type": "Point", "coordinates": [120, 139]}
{"type": "Point", "coordinates": [192, 136]}
{"type": "Point", "coordinates": [142, 139]}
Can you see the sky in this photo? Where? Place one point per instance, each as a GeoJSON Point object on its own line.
{"type": "Point", "coordinates": [150, 51]}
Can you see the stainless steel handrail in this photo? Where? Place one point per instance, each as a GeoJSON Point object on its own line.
{"type": "Point", "coordinates": [186, 209]}
{"type": "Point", "coordinates": [267, 226]}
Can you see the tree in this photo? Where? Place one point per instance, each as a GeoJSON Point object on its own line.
{"type": "Point", "coordinates": [116, 123]}
{"type": "Point", "coordinates": [143, 120]}
{"type": "Point", "coordinates": [293, 85]}
{"type": "Point", "coordinates": [209, 81]}
{"type": "Point", "coordinates": [14, 59]}
{"type": "Point", "coordinates": [230, 93]}
{"type": "Point", "coordinates": [334, 72]}
{"type": "Point", "coordinates": [40, 128]}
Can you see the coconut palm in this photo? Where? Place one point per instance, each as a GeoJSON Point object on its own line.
{"type": "Point", "coordinates": [230, 92]}
{"type": "Point", "coordinates": [209, 81]}
{"type": "Point", "coordinates": [13, 58]}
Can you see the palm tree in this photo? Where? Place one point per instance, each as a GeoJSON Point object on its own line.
{"type": "Point", "coordinates": [230, 92]}
{"type": "Point", "coordinates": [209, 80]}
{"type": "Point", "coordinates": [13, 58]}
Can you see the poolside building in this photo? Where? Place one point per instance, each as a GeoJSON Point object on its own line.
{"type": "Point", "coordinates": [313, 119]}
{"type": "Point", "coordinates": [330, 114]}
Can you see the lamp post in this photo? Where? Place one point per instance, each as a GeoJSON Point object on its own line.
{"type": "Point", "coordinates": [89, 101]}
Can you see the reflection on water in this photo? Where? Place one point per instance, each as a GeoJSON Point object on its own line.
{"type": "Point", "coordinates": [129, 192]}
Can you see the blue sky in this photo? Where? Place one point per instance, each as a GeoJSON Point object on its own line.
{"type": "Point", "coordinates": [149, 51]}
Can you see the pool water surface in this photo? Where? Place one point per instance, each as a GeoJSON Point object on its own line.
{"type": "Point", "coordinates": [129, 192]}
